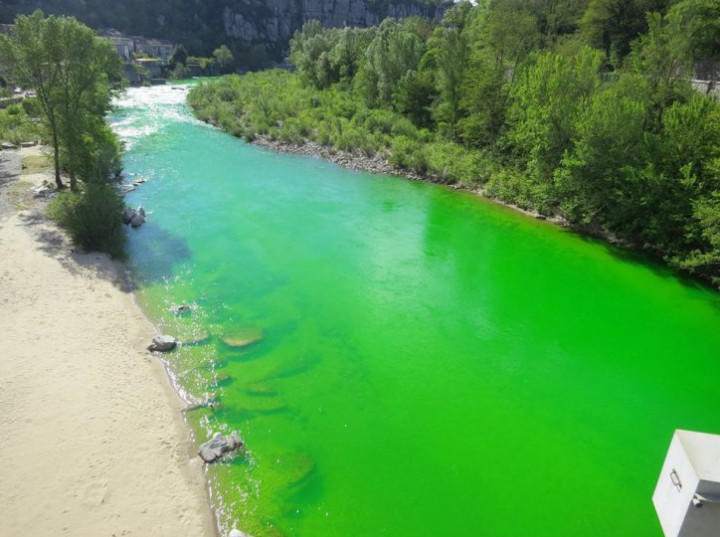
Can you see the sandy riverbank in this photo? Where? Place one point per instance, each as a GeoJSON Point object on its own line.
{"type": "Point", "coordinates": [93, 442]}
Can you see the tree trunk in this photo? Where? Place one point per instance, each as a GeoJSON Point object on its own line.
{"type": "Point", "coordinates": [56, 156]}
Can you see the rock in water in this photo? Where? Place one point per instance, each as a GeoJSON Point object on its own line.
{"type": "Point", "coordinates": [7, 145]}
{"type": "Point", "coordinates": [234, 440]}
{"type": "Point", "coordinates": [237, 533]}
{"type": "Point", "coordinates": [219, 445]}
{"type": "Point", "coordinates": [137, 220]}
{"type": "Point", "coordinates": [162, 343]}
{"type": "Point", "coordinates": [182, 308]}
{"type": "Point", "coordinates": [127, 216]}
{"type": "Point", "coordinates": [141, 212]}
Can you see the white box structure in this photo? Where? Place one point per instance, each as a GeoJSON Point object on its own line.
{"type": "Point", "coordinates": [687, 496]}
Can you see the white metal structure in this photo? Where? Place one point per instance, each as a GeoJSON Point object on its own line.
{"type": "Point", "coordinates": [687, 496]}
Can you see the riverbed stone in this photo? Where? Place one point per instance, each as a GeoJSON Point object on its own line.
{"type": "Point", "coordinates": [195, 337]}
{"type": "Point", "coordinates": [219, 445]}
{"type": "Point", "coordinates": [242, 336]}
{"type": "Point", "coordinates": [162, 343]}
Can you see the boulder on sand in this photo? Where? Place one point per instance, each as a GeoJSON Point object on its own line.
{"type": "Point", "coordinates": [162, 343]}
{"type": "Point", "coordinates": [219, 445]}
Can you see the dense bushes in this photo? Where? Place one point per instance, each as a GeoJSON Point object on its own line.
{"type": "Point", "coordinates": [92, 217]}
{"type": "Point", "coordinates": [16, 126]}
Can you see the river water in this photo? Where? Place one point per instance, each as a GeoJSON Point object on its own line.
{"type": "Point", "coordinates": [430, 364]}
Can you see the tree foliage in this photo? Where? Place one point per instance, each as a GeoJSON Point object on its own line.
{"type": "Point", "coordinates": [224, 57]}
{"type": "Point", "coordinates": [72, 72]}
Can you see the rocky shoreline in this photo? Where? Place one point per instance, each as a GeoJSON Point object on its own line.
{"type": "Point", "coordinates": [377, 163]}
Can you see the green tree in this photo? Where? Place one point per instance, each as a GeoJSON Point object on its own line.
{"type": "Point", "coordinates": [547, 103]}
{"type": "Point", "coordinates": [395, 50]}
{"type": "Point", "coordinates": [612, 25]}
{"type": "Point", "coordinates": [224, 57]}
{"type": "Point", "coordinates": [503, 36]}
{"type": "Point", "coordinates": [657, 58]}
{"type": "Point", "coordinates": [449, 52]}
{"type": "Point", "coordinates": [698, 35]}
{"type": "Point", "coordinates": [72, 72]}
{"type": "Point", "coordinates": [179, 56]}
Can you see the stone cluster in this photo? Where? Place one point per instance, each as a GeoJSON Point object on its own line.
{"type": "Point", "coordinates": [134, 217]}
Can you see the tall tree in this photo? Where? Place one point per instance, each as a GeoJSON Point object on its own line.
{"type": "Point", "coordinates": [395, 51]}
{"type": "Point", "coordinates": [224, 57]}
{"type": "Point", "coordinates": [72, 71]}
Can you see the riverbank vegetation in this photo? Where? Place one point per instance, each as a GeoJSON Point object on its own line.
{"type": "Point", "coordinates": [73, 74]}
{"type": "Point", "coordinates": [575, 108]}
{"type": "Point", "coordinates": [17, 126]}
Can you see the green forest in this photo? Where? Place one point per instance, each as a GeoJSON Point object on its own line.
{"type": "Point", "coordinates": [583, 110]}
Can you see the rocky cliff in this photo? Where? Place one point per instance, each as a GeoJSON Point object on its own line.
{"type": "Point", "coordinates": [244, 25]}
{"type": "Point", "coordinates": [252, 21]}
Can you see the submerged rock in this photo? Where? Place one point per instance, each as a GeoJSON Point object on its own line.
{"type": "Point", "coordinates": [242, 337]}
{"type": "Point", "coordinates": [197, 337]}
{"type": "Point", "coordinates": [219, 445]}
{"type": "Point", "coordinates": [182, 308]}
{"type": "Point", "coordinates": [162, 343]}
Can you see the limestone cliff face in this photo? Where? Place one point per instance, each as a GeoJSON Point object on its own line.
{"type": "Point", "coordinates": [275, 21]}
{"type": "Point", "coordinates": [202, 25]}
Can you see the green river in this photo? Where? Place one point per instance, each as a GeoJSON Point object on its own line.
{"type": "Point", "coordinates": [430, 364]}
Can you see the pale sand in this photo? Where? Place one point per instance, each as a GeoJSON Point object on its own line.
{"type": "Point", "coordinates": [92, 441]}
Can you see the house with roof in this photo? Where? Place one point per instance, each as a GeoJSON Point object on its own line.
{"type": "Point", "coordinates": [154, 48]}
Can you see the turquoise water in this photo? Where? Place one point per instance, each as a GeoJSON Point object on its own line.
{"type": "Point", "coordinates": [428, 363]}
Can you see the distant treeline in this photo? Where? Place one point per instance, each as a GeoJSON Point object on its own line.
{"type": "Point", "coordinates": [582, 109]}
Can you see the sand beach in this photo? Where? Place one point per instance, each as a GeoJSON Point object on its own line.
{"type": "Point", "coordinates": [93, 442]}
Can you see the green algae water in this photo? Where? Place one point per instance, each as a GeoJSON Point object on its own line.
{"type": "Point", "coordinates": [402, 359]}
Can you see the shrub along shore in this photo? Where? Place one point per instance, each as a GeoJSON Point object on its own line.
{"type": "Point", "coordinates": [607, 135]}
